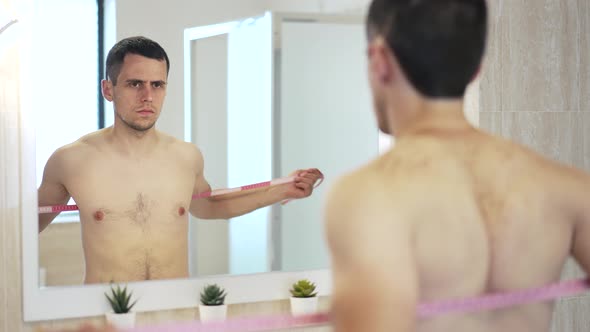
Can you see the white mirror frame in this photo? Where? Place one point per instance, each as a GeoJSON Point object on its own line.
{"type": "Point", "coordinates": [55, 303]}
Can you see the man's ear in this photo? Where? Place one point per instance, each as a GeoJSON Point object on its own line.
{"type": "Point", "coordinates": [381, 60]}
{"type": "Point", "coordinates": [107, 89]}
{"type": "Point", "coordinates": [476, 73]}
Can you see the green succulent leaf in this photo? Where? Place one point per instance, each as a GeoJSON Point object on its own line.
{"type": "Point", "coordinates": [213, 295]}
{"type": "Point", "coordinates": [303, 288]}
{"type": "Point", "coordinates": [119, 299]}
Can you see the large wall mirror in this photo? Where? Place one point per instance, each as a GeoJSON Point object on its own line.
{"type": "Point", "coordinates": [264, 96]}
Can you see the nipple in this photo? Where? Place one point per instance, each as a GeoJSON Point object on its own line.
{"type": "Point", "coordinates": [98, 215]}
{"type": "Point", "coordinates": [181, 211]}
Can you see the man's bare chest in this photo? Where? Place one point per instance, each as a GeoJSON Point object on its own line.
{"type": "Point", "coordinates": [135, 192]}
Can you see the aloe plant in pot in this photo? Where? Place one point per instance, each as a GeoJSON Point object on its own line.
{"type": "Point", "coordinates": [120, 301]}
{"type": "Point", "coordinates": [303, 298]}
{"type": "Point", "coordinates": [213, 305]}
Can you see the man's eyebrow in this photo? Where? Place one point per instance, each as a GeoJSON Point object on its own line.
{"type": "Point", "coordinates": [135, 80]}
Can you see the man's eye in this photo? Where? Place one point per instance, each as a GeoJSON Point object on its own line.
{"type": "Point", "coordinates": [135, 84]}
{"type": "Point", "coordinates": [158, 85]}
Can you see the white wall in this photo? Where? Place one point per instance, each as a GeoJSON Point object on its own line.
{"type": "Point", "coordinates": [324, 6]}
{"type": "Point", "coordinates": [165, 21]}
{"type": "Point", "coordinates": [209, 123]}
{"type": "Point", "coordinates": [326, 121]}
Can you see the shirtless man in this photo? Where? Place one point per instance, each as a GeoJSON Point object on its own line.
{"type": "Point", "coordinates": [449, 212]}
{"type": "Point", "coordinates": [133, 184]}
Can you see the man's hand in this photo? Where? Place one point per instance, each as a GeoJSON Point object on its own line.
{"type": "Point", "coordinates": [304, 183]}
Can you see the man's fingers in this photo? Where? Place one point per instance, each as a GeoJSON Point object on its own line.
{"type": "Point", "coordinates": [313, 171]}
{"type": "Point", "coordinates": [302, 185]}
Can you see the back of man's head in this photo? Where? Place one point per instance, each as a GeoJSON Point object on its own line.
{"type": "Point", "coordinates": [438, 43]}
{"type": "Point", "coordinates": [133, 45]}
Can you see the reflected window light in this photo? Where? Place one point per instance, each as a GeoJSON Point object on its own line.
{"type": "Point", "coordinates": [5, 25]}
{"type": "Point", "coordinates": [65, 76]}
{"type": "Point", "coordinates": [8, 33]}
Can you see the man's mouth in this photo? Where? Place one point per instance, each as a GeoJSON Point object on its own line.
{"type": "Point", "coordinates": [145, 112]}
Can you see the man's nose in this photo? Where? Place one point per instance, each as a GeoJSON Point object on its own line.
{"type": "Point", "coordinates": [147, 94]}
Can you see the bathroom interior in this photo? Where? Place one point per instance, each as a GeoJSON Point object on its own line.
{"type": "Point", "coordinates": [533, 88]}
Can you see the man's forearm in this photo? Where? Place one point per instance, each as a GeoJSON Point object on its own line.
{"type": "Point", "coordinates": [220, 208]}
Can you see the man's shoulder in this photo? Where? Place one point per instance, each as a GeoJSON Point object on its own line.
{"type": "Point", "coordinates": [81, 146]}
{"type": "Point", "coordinates": [185, 150]}
{"type": "Point", "coordinates": [367, 185]}
{"type": "Point", "coordinates": [365, 203]}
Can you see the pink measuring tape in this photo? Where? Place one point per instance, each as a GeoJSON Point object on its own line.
{"type": "Point", "coordinates": [213, 193]}
{"type": "Point", "coordinates": [505, 299]}
{"type": "Point", "coordinates": [486, 302]}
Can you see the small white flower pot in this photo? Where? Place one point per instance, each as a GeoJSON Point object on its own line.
{"type": "Point", "coordinates": [304, 305]}
{"type": "Point", "coordinates": [209, 313]}
{"type": "Point", "coordinates": [121, 321]}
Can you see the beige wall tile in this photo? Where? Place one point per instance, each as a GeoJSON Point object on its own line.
{"type": "Point", "coordinates": [584, 70]}
{"type": "Point", "coordinates": [157, 317]}
{"type": "Point", "coordinates": [572, 270]}
{"type": "Point", "coordinates": [556, 135]}
{"type": "Point", "coordinates": [61, 254]}
{"type": "Point", "coordinates": [586, 140]}
{"type": "Point", "coordinates": [10, 265]}
{"type": "Point", "coordinates": [491, 122]}
{"type": "Point", "coordinates": [534, 56]}
{"type": "Point", "coordinates": [571, 315]}
{"type": "Point", "coordinates": [491, 73]}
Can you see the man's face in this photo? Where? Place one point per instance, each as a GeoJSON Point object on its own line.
{"type": "Point", "coordinates": [139, 93]}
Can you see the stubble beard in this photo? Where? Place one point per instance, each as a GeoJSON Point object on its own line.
{"type": "Point", "coordinates": [135, 126]}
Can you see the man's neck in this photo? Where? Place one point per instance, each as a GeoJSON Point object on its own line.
{"type": "Point", "coordinates": [431, 115]}
{"type": "Point", "coordinates": [133, 142]}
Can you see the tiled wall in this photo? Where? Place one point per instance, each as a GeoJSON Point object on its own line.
{"type": "Point", "coordinates": [10, 277]}
{"type": "Point", "coordinates": [61, 255]}
{"type": "Point", "coordinates": [535, 90]}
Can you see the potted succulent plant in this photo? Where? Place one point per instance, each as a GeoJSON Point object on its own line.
{"type": "Point", "coordinates": [120, 301]}
{"type": "Point", "coordinates": [303, 299]}
{"type": "Point", "coordinates": [212, 305]}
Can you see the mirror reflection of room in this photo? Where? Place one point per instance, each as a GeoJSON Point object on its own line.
{"type": "Point", "coordinates": [123, 233]}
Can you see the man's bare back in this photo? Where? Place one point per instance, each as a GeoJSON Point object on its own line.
{"type": "Point", "coordinates": [133, 211]}
{"type": "Point", "coordinates": [450, 212]}
{"type": "Point", "coordinates": [459, 215]}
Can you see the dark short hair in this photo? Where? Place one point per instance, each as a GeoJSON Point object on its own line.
{"type": "Point", "coordinates": [439, 44]}
{"type": "Point", "coordinates": [133, 45]}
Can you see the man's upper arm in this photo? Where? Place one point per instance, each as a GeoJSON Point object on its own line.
{"type": "Point", "coordinates": [375, 280]}
{"type": "Point", "coordinates": [201, 185]}
{"type": "Point", "coordinates": [199, 207]}
{"type": "Point", "coordinates": [52, 190]}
